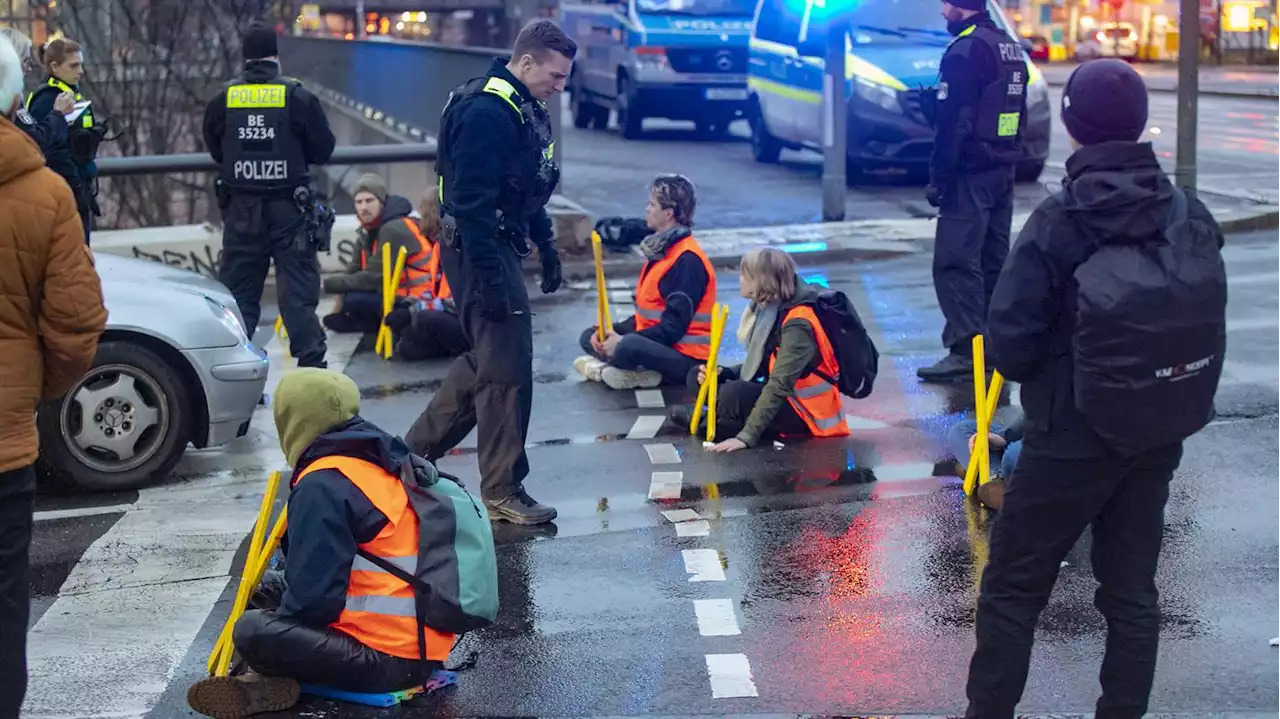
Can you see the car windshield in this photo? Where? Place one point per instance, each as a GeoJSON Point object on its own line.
{"type": "Point", "coordinates": [722, 8]}
{"type": "Point", "coordinates": [899, 22]}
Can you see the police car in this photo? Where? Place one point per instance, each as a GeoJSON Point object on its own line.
{"type": "Point", "coordinates": [675, 59]}
{"type": "Point", "coordinates": [894, 49]}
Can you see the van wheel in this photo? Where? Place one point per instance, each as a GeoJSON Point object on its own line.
{"type": "Point", "coordinates": [122, 425]}
{"type": "Point", "coordinates": [630, 121]}
{"type": "Point", "coordinates": [764, 146]}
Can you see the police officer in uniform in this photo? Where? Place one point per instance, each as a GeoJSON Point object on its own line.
{"type": "Point", "coordinates": [496, 175]}
{"type": "Point", "coordinates": [979, 116]}
{"type": "Point", "coordinates": [265, 130]}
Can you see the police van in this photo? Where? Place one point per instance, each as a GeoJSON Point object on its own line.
{"type": "Point", "coordinates": [894, 50]}
{"type": "Point", "coordinates": [674, 59]}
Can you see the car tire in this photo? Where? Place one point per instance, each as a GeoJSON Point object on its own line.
{"type": "Point", "coordinates": [585, 112]}
{"type": "Point", "coordinates": [765, 148]}
{"type": "Point", "coordinates": [630, 121]}
{"type": "Point", "coordinates": [127, 382]}
{"type": "Point", "coordinates": [1029, 171]}
{"type": "Point", "coordinates": [600, 119]}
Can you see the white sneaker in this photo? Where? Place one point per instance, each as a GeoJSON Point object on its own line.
{"type": "Point", "coordinates": [589, 367]}
{"type": "Point", "coordinates": [630, 379]}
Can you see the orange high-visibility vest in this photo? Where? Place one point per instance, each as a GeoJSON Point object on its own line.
{"type": "Point", "coordinates": [380, 608]}
{"type": "Point", "coordinates": [650, 303]}
{"type": "Point", "coordinates": [816, 400]}
{"type": "Point", "coordinates": [422, 277]}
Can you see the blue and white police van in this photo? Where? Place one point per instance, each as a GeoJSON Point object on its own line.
{"type": "Point", "coordinates": [894, 50]}
{"type": "Point", "coordinates": [674, 59]}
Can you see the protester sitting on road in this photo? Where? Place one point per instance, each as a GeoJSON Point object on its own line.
{"type": "Point", "coordinates": [1004, 446]}
{"type": "Point", "coordinates": [778, 390]}
{"type": "Point", "coordinates": [429, 328]}
{"type": "Point", "coordinates": [1110, 313]}
{"type": "Point", "coordinates": [50, 321]}
{"type": "Point", "coordinates": [384, 219]}
{"type": "Point", "coordinates": [323, 623]}
{"type": "Point", "coordinates": [671, 329]}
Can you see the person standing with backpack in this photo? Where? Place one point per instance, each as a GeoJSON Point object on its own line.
{"type": "Point", "coordinates": [1111, 313]}
{"type": "Point", "coordinates": [786, 387]}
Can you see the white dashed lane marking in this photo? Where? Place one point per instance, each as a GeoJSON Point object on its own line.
{"type": "Point", "coordinates": [696, 528]}
{"type": "Point", "coordinates": [666, 485]}
{"type": "Point", "coordinates": [646, 426]}
{"type": "Point", "coordinates": [716, 617]}
{"type": "Point", "coordinates": [662, 453]}
{"type": "Point", "coordinates": [650, 399]}
{"type": "Point", "coordinates": [703, 565]}
{"type": "Point", "coordinates": [730, 676]}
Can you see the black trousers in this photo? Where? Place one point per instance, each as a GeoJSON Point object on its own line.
{"type": "Point", "coordinates": [490, 387]}
{"type": "Point", "coordinates": [736, 398]}
{"type": "Point", "coordinates": [432, 334]}
{"type": "Point", "coordinates": [17, 503]}
{"type": "Point", "coordinates": [260, 230]}
{"type": "Point", "coordinates": [279, 646]}
{"type": "Point", "coordinates": [636, 352]}
{"type": "Point", "coordinates": [1048, 503]}
{"type": "Point", "coordinates": [969, 251]}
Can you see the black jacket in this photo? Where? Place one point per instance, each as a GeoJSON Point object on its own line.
{"type": "Point", "coordinates": [50, 133]}
{"type": "Point", "coordinates": [328, 518]}
{"type": "Point", "coordinates": [57, 152]}
{"type": "Point", "coordinates": [1114, 193]}
{"type": "Point", "coordinates": [483, 135]}
{"type": "Point", "coordinates": [963, 74]}
{"type": "Point", "coordinates": [306, 116]}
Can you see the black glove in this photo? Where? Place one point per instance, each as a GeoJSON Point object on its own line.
{"type": "Point", "coordinates": [933, 195]}
{"type": "Point", "coordinates": [551, 272]}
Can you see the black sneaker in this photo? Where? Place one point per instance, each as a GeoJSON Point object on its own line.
{"type": "Point", "coordinates": [951, 368]}
{"type": "Point", "coordinates": [680, 415]}
{"type": "Point", "coordinates": [520, 508]}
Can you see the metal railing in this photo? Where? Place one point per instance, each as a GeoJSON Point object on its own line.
{"type": "Point", "coordinates": [202, 162]}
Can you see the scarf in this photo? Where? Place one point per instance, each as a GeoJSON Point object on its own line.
{"type": "Point", "coordinates": [757, 323]}
{"type": "Point", "coordinates": [655, 246]}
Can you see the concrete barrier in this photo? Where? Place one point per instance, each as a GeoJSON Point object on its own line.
{"type": "Point", "coordinates": [199, 247]}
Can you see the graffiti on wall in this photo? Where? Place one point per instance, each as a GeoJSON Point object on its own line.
{"type": "Point", "coordinates": [207, 259]}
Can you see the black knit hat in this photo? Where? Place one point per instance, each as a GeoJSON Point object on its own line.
{"type": "Point", "coordinates": [978, 5]}
{"type": "Point", "coordinates": [1104, 100]}
{"type": "Point", "coordinates": [260, 42]}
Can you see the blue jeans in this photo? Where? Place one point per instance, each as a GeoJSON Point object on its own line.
{"type": "Point", "coordinates": [958, 442]}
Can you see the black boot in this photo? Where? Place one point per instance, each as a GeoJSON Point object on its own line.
{"type": "Point", "coordinates": [952, 368]}
{"type": "Point", "coordinates": [520, 508]}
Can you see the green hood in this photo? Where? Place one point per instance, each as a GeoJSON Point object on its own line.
{"type": "Point", "coordinates": [308, 403]}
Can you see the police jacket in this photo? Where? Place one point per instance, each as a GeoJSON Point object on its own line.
{"type": "Point", "coordinates": [58, 153]}
{"type": "Point", "coordinates": [265, 130]}
{"type": "Point", "coordinates": [50, 133]}
{"type": "Point", "coordinates": [981, 101]}
{"type": "Point", "coordinates": [1114, 192]}
{"type": "Point", "coordinates": [495, 161]}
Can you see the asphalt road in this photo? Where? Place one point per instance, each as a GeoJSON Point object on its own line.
{"type": "Point", "coordinates": [608, 175]}
{"type": "Point", "coordinates": [828, 577]}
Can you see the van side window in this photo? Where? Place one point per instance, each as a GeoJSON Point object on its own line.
{"type": "Point", "coordinates": [779, 22]}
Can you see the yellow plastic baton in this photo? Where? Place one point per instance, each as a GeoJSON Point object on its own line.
{"type": "Point", "coordinates": [255, 567]}
{"type": "Point", "coordinates": [390, 283]}
{"type": "Point", "coordinates": [719, 316]}
{"type": "Point", "coordinates": [604, 320]}
{"type": "Point", "coordinates": [979, 462]}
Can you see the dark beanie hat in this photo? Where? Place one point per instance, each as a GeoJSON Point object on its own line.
{"type": "Point", "coordinates": [976, 5]}
{"type": "Point", "coordinates": [260, 42]}
{"type": "Point", "coordinates": [372, 184]}
{"type": "Point", "coordinates": [1105, 100]}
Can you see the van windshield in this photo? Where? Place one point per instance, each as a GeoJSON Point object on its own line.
{"type": "Point", "coordinates": [722, 8]}
{"type": "Point", "coordinates": [894, 22]}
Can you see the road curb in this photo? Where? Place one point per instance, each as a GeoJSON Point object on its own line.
{"type": "Point", "coordinates": [1265, 221]}
{"type": "Point", "coordinates": [1207, 93]}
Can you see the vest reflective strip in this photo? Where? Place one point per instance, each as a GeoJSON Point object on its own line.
{"type": "Point", "coordinates": [386, 606]}
{"type": "Point", "coordinates": [825, 423]}
{"type": "Point", "coordinates": [816, 389]}
{"type": "Point", "coordinates": [506, 91]}
{"type": "Point", "coordinates": [651, 314]}
{"type": "Point", "coordinates": [408, 564]}
{"type": "Point", "coordinates": [695, 340]}
{"type": "Point", "coordinates": [86, 119]}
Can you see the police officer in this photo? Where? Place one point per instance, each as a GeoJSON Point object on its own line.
{"type": "Point", "coordinates": [979, 117]}
{"type": "Point", "coordinates": [496, 175]}
{"type": "Point", "coordinates": [265, 130]}
{"type": "Point", "coordinates": [51, 132]}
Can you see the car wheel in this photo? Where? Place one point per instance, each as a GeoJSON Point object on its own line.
{"type": "Point", "coordinates": [764, 146]}
{"type": "Point", "coordinates": [600, 119]}
{"type": "Point", "coordinates": [584, 110]}
{"type": "Point", "coordinates": [630, 121]}
{"type": "Point", "coordinates": [123, 424]}
{"type": "Point", "coordinates": [1029, 171]}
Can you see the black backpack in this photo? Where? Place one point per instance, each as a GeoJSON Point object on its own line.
{"type": "Point", "coordinates": [856, 354]}
{"type": "Point", "coordinates": [1150, 335]}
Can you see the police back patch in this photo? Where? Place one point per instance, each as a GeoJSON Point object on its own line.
{"type": "Point", "coordinates": [942, 91]}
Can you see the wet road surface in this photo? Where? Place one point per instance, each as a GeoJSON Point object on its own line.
{"type": "Point", "coordinates": [828, 577]}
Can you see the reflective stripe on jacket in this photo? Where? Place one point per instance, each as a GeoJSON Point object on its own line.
{"type": "Point", "coordinates": [380, 608]}
{"type": "Point", "coordinates": [422, 278]}
{"type": "Point", "coordinates": [816, 400]}
{"type": "Point", "coordinates": [86, 117]}
{"type": "Point", "coordinates": [650, 303]}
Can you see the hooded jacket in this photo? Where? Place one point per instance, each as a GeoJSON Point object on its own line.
{"type": "Point", "coordinates": [389, 229]}
{"type": "Point", "coordinates": [1114, 192]}
{"type": "Point", "coordinates": [329, 517]}
{"type": "Point", "coordinates": [51, 311]}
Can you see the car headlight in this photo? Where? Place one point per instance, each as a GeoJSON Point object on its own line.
{"type": "Point", "coordinates": [229, 319]}
{"type": "Point", "coordinates": [877, 94]}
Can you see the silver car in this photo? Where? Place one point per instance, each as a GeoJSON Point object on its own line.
{"type": "Point", "coordinates": [174, 367]}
